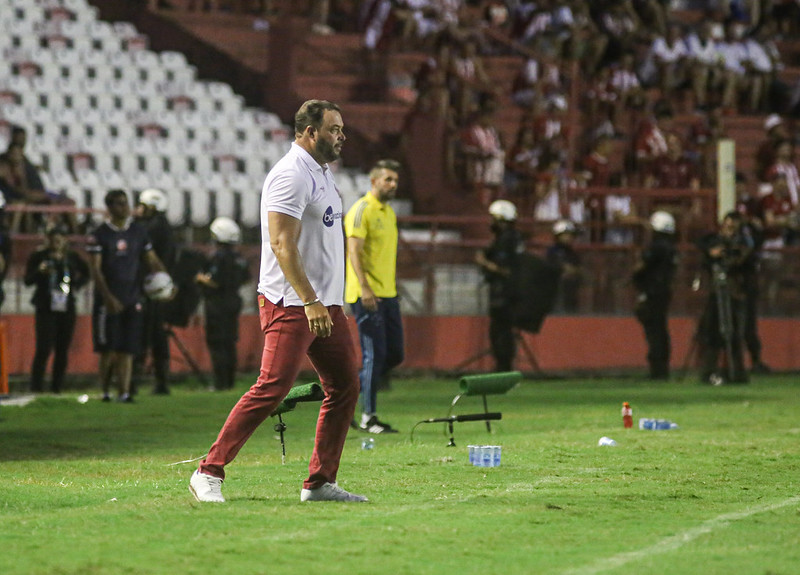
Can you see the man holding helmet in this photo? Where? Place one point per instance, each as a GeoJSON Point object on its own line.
{"type": "Point", "coordinates": [497, 262]}
{"type": "Point", "coordinates": [150, 212]}
{"type": "Point", "coordinates": [226, 272]}
{"type": "Point", "coordinates": [563, 256]}
{"type": "Point", "coordinates": [652, 278]}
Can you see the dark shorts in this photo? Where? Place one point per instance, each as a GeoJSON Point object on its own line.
{"type": "Point", "coordinates": [120, 332]}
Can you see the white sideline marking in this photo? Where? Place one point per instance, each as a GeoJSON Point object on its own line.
{"type": "Point", "coordinates": [679, 540]}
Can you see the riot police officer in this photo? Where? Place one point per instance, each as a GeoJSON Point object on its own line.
{"type": "Point", "coordinates": [226, 272]}
{"type": "Point", "coordinates": [652, 278]}
{"type": "Point", "coordinates": [150, 211]}
{"type": "Point", "coordinates": [497, 262]}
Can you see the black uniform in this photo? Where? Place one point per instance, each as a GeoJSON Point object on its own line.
{"type": "Point", "coordinates": [752, 237]}
{"type": "Point", "coordinates": [122, 251]}
{"type": "Point", "coordinates": [5, 253]}
{"type": "Point", "coordinates": [154, 336]}
{"type": "Point", "coordinates": [722, 324]}
{"type": "Point", "coordinates": [560, 255]}
{"type": "Point", "coordinates": [54, 301]}
{"type": "Point", "coordinates": [653, 280]}
{"type": "Point", "coordinates": [503, 251]}
{"type": "Point", "coordinates": [229, 271]}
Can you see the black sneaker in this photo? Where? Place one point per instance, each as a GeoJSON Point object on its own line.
{"type": "Point", "coordinates": [761, 368]}
{"type": "Point", "coordinates": [374, 426]}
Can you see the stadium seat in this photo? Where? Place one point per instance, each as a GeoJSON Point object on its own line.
{"type": "Point", "coordinates": [251, 208]}
{"type": "Point", "coordinates": [199, 207]}
{"type": "Point", "coordinates": [176, 206]}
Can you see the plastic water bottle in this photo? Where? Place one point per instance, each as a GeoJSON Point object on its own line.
{"type": "Point", "coordinates": [656, 424]}
{"type": "Point", "coordinates": [627, 415]}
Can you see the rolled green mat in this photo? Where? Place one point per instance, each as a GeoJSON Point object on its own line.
{"type": "Point", "coordinates": [489, 383]}
{"type": "Point", "coordinates": [299, 393]}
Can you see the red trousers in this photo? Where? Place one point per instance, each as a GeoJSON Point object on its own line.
{"type": "Point", "coordinates": [287, 340]}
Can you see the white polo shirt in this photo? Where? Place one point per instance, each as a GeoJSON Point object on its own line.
{"type": "Point", "coordinates": [299, 187]}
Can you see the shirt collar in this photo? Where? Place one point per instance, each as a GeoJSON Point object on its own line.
{"type": "Point", "coordinates": [124, 227]}
{"type": "Point", "coordinates": [371, 199]}
{"type": "Point", "coordinates": [309, 160]}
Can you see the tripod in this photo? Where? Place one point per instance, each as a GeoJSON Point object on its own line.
{"type": "Point", "coordinates": [725, 325]}
{"type": "Point", "coordinates": [488, 351]}
{"type": "Point", "coordinates": [186, 355]}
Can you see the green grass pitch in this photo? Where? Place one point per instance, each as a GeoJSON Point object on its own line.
{"type": "Point", "coordinates": [88, 488]}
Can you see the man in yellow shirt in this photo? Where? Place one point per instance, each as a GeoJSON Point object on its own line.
{"type": "Point", "coordinates": [371, 289]}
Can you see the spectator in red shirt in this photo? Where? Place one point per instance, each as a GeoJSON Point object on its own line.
{"type": "Point", "coordinates": [784, 164]}
{"type": "Point", "coordinates": [779, 213]}
{"type": "Point", "coordinates": [776, 132]}
{"type": "Point", "coordinates": [673, 170]}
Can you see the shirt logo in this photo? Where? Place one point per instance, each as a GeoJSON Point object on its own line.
{"type": "Point", "coordinates": [122, 245]}
{"type": "Point", "coordinates": [328, 218]}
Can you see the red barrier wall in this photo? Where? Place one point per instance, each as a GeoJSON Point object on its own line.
{"type": "Point", "coordinates": [448, 343]}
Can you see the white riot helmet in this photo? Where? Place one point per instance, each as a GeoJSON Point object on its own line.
{"type": "Point", "coordinates": [503, 210]}
{"type": "Point", "coordinates": [226, 231]}
{"type": "Point", "coordinates": [662, 222]}
{"type": "Point", "coordinates": [154, 198]}
{"type": "Point", "coordinates": [564, 227]}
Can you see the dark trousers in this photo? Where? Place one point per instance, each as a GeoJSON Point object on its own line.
{"type": "Point", "coordinates": [653, 317]}
{"type": "Point", "coordinates": [156, 342]}
{"type": "Point", "coordinates": [712, 340]}
{"type": "Point", "coordinates": [53, 335]}
{"type": "Point", "coordinates": [223, 362]}
{"type": "Point", "coordinates": [751, 338]}
{"type": "Point", "coordinates": [381, 336]}
{"type": "Point", "coordinates": [502, 339]}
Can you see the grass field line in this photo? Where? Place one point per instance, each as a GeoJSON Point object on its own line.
{"type": "Point", "coordinates": [679, 540]}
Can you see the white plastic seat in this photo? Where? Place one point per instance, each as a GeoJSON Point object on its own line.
{"type": "Point", "coordinates": [173, 60]}
{"type": "Point", "coordinates": [108, 44]}
{"type": "Point", "coordinates": [88, 179]}
{"type": "Point", "coordinates": [200, 207]}
{"type": "Point", "coordinates": [226, 201]}
{"type": "Point", "coordinates": [73, 28]}
{"type": "Point", "coordinates": [176, 207]}
{"type": "Point", "coordinates": [251, 208]}
{"type": "Point", "coordinates": [111, 179]}
{"type": "Point", "coordinates": [125, 30]}
{"type": "Point", "coordinates": [127, 163]}
{"type": "Point", "coordinates": [104, 162]}
{"type": "Point", "coordinates": [140, 181]}
{"type": "Point", "coordinates": [100, 29]}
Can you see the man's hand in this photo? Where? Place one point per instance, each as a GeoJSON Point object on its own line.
{"type": "Point", "coordinates": [368, 298]}
{"type": "Point", "coordinates": [319, 320]}
{"type": "Point", "coordinates": [114, 305]}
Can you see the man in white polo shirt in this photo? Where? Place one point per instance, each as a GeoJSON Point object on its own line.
{"type": "Point", "coordinates": [300, 292]}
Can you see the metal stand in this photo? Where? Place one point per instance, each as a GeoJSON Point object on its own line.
{"type": "Point", "coordinates": [518, 337]}
{"type": "Point", "coordinates": [725, 314]}
{"type": "Point", "coordinates": [280, 427]}
{"type": "Point", "coordinates": [186, 355]}
{"type": "Point", "coordinates": [450, 419]}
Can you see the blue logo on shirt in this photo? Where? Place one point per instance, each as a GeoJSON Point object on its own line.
{"type": "Point", "coordinates": [328, 218]}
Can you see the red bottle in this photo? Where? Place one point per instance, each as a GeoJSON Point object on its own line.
{"type": "Point", "coordinates": [627, 415]}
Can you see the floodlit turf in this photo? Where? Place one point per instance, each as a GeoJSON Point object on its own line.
{"type": "Point", "coordinates": [88, 489]}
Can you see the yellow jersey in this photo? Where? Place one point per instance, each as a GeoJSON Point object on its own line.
{"type": "Point", "coordinates": [376, 223]}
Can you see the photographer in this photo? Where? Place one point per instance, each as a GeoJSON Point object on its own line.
{"type": "Point", "coordinates": [497, 262]}
{"type": "Point", "coordinates": [653, 277]}
{"type": "Point", "coordinates": [726, 255]}
{"type": "Point", "coordinates": [56, 272]}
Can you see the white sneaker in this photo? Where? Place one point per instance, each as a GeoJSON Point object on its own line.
{"type": "Point", "coordinates": [330, 492]}
{"type": "Point", "coordinates": [206, 488]}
